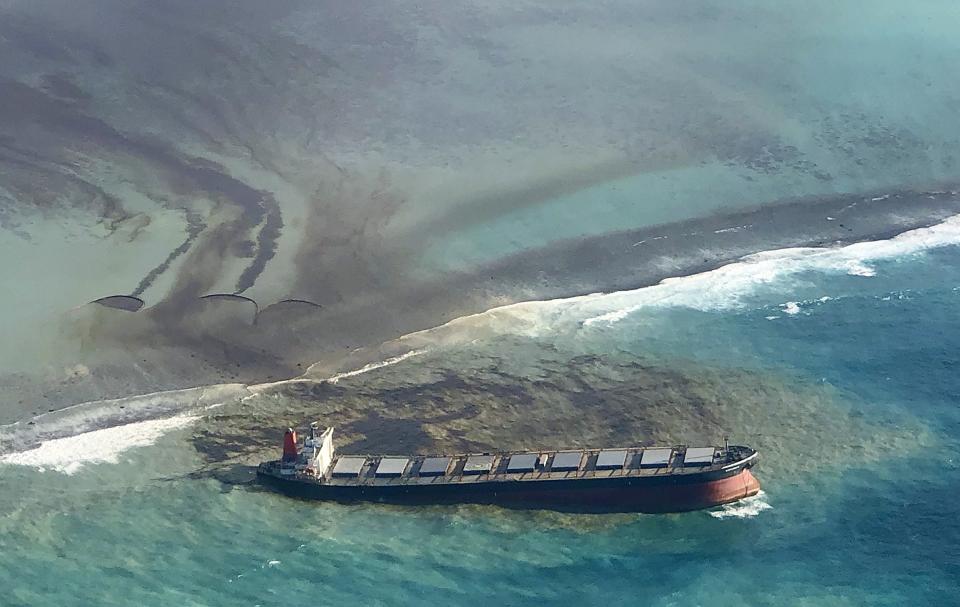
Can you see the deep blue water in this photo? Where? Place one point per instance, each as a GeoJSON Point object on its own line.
{"type": "Point", "coordinates": [883, 533]}
{"type": "Point", "coordinates": [872, 523]}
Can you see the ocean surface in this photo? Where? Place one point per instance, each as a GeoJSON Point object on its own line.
{"type": "Point", "coordinates": [429, 225]}
{"type": "Point", "coordinates": [860, 475]}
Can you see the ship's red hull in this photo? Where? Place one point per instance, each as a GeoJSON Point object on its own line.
{"type": "Point", "coordinates": [647, 498]}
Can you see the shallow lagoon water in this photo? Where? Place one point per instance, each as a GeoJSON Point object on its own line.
{"type": "Point", "coordinates": [400, 144]}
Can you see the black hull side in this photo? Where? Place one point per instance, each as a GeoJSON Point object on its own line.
{"type": "Point", "coordinates": [666, 493]}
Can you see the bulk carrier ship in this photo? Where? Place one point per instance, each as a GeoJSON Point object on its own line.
{"type": "Point", "coordinates": [629, 479]}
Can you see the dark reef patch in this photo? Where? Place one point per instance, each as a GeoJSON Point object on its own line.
{"type": "Point", "coordinates": [506, 394]}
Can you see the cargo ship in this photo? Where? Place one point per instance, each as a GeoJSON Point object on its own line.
{"type": "Point", "coordinates": [628, 479]}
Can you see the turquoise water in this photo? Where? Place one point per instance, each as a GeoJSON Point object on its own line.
{"type": "Point", "coordinates": [877, 524]}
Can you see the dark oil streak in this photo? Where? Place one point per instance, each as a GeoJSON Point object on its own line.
{"type": "Point", "coordinates": [20, 102]}
{"type": "Point", "coordinates": [195, 226]}
{"type": "Point", "coordinates": [266, 246]}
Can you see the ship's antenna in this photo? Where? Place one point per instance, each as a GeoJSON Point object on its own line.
{"type": "Point", "coordinates": [726, 444]}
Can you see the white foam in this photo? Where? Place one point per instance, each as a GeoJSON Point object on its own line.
{"type": "Point", "coordinates": [748, 507]}
{"type": "Point", "coordinates": [725, 287]}
{"type": "Point", "coordinates": [637, 244]}
{"type": "Point", "coordinates": [859, 269]}
{"type": "Point", "coordinates": [258, 388]}
{"type": "Point", "coordinates": [374, 366]}
{"type": "Point", "coordinates": [791, 307]}
{"type": "Point", "coordinates": [95, 415]}
{"type": "Point", "coordinates": [733, 229]}
{"type": "Point", "coordinates": [99, 431]}
{"type": "Point", "coordinates": [70, 454]}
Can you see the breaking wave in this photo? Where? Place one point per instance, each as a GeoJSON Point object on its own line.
{"type": "Point", "coordinates": [716, 290]}
{"type": "Point", "coordinates": [748, 507]}
{"type": "Point", "coordinates": [99, 431]}
{"type": "Point", "coordinates": [96, 415]}
{"type": "Point", "coordinates": [68, 455]}
{"type": "Point", "coordinates": [724, 287]}
{"type": "Point", "coordinates": [374, 366]}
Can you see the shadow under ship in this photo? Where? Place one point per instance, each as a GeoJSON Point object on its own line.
{"type": "Point", "coordinates": [630, 479]}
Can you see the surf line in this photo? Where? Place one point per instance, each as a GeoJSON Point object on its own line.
{"type": "Point", "coordinates": [258, 388]}
{"type": "Point", "coordinates": [721, 288]}
{"type": "Point", "coordinates": [68, 454]}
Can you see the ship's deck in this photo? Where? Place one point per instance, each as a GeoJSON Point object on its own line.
{"type": "Point", "coordinates": [525, 466]}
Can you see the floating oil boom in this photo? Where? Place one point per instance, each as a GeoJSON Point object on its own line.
{"type": "Point", "coordinates": [628, 479]}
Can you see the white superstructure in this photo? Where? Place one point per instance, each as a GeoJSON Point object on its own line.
{"type": "Point", "coordinates": [317, 453]}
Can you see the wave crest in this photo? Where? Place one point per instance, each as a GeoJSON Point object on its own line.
{"type": "Point", "coordinates": [724, 287]}
{"type": "Point", "coordinates": [68, 455]}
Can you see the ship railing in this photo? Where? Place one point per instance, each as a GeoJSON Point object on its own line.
{"type": "Point", "coordinates": [499, 466]}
